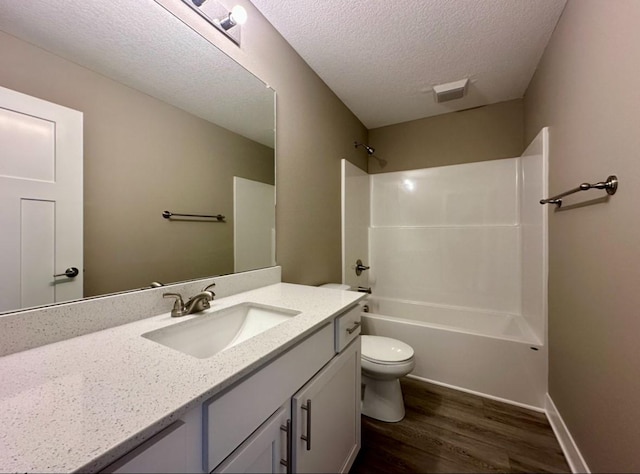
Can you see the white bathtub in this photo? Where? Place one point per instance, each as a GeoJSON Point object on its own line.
{"type": "Point", "coordinates": [492, 354]}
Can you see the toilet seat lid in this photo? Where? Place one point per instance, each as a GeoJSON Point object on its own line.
{"type": "Point", "coordinates": [385, 349]}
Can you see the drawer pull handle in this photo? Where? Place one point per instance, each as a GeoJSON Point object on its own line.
{"type": "Point", "coordinates": [355, 326]}
{"type": "Point", "coordinates": [287, 463]}
{"type": "Point", "coordinates": [307, 438]}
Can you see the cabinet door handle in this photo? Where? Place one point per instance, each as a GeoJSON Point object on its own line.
{"type": "Point", "coordinates": [307, 438]}
{"type": "Point", "coordinates": [355, 326]}
{"type": "Point", "coordinates": [287, 463]}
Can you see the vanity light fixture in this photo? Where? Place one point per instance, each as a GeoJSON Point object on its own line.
{"type": "Point", "coordinates": [227, 22]}
{"type": "Point", "coordinates": [237, 16]}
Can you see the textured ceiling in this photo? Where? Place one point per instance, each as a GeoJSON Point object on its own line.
{"type": "Point", "coordinates": [382, 57]}
{"type": "Point", "coordinates": [141, 45]}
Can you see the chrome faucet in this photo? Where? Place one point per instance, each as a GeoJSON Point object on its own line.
{"type": "Point", "coordinates": [195, 304]}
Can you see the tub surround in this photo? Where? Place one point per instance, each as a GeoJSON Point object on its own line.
{"type": "Point", "coordinates": [81, 403]}
{"type": "Point", "coordinates": [470, 236]}
{"type": "Point", "coordinates": [458, 258]}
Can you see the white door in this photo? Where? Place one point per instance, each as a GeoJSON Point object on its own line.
{"type": "Point", "coordinates": [355, 224]}
{"type": "Point", "coordinates": [40, 201]}
{"type": "Point", "coordinates": [254, 224]}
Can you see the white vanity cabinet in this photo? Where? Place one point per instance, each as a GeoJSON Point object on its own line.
{"type": "Point", "coordinates": [300, 412]}
{"type": "Point", "coordinates": [323, 435]}
{"type": "Point", "coordinates": [230, 418]}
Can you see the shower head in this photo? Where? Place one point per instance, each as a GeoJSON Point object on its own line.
{"type": "Point", "coordinates": [370, 150]}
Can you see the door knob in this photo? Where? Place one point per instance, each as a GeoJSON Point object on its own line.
{"type": "Point", "coordinates": [360, 267]}
{"type": "Point", "coordinates": [70, 272]}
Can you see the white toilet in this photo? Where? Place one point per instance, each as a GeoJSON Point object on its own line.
{"type": "Point", "coordinates": [384, 361]}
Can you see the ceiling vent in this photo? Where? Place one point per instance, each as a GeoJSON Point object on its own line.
{"type": "Point", "coordinates": [450, 90]}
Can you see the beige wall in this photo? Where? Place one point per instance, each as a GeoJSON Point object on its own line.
{"type": "Point", "coordinates": [585, 91]}
{"type": "Point", "coordinates": [142, 156]}
{"type": "Point", "coordinates": [315, 130]}
{"type": "Point", "coordinates": [485, 133]}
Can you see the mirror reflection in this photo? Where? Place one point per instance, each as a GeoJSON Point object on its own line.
{"type": "Point", "coordinates": [165, 122]}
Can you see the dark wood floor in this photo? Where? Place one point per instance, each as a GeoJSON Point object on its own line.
{"type": "Point", "coordinates": [445, 430]}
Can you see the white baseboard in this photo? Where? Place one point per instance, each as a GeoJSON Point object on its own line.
{"type": "Point", "coordinates": [480, 394]}
{"type": "Point", "coordinates": [568, 445]}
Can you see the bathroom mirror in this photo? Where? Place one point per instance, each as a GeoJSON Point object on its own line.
{"type": "Point", "coordinates": [170, 123]}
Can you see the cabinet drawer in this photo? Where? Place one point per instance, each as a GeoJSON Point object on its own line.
{"type": "Point", "coordinates": [347, 327]}
{"type": "Point", "coordinates": [163, 452]}
{"type": "Point", "coordinates": [231, 418]}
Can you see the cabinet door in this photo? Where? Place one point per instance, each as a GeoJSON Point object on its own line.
{"type": "Point", "coordinates": [266, 450]}
{"type": "Point", "coordinates": [326, 414]}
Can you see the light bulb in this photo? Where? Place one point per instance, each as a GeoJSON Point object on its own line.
{"type": "Point", "coordinates": [239, 15]}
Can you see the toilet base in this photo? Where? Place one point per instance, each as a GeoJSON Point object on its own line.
{"type": "Point", "coordinates": [382, 399]}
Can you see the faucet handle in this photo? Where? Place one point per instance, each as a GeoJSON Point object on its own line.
{"type": "Point", "coordinates": [206, 288]}
{"type": "Point", "coordinates": [178, 306]}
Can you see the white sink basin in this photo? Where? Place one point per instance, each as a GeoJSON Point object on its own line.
{"type": "Point", "coordinates": [215, 331]}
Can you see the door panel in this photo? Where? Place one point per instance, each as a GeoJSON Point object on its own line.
{"type": "Point", "coordinates": [28, 146]}
{"type": "Point", "coordinates": [37, 251]}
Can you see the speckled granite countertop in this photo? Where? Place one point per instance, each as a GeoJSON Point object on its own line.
{"type": "Point", "coordinates": [82, 403]}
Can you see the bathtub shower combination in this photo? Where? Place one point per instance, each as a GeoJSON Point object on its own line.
{"type": "Point", "coordinates": [458, 258]}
